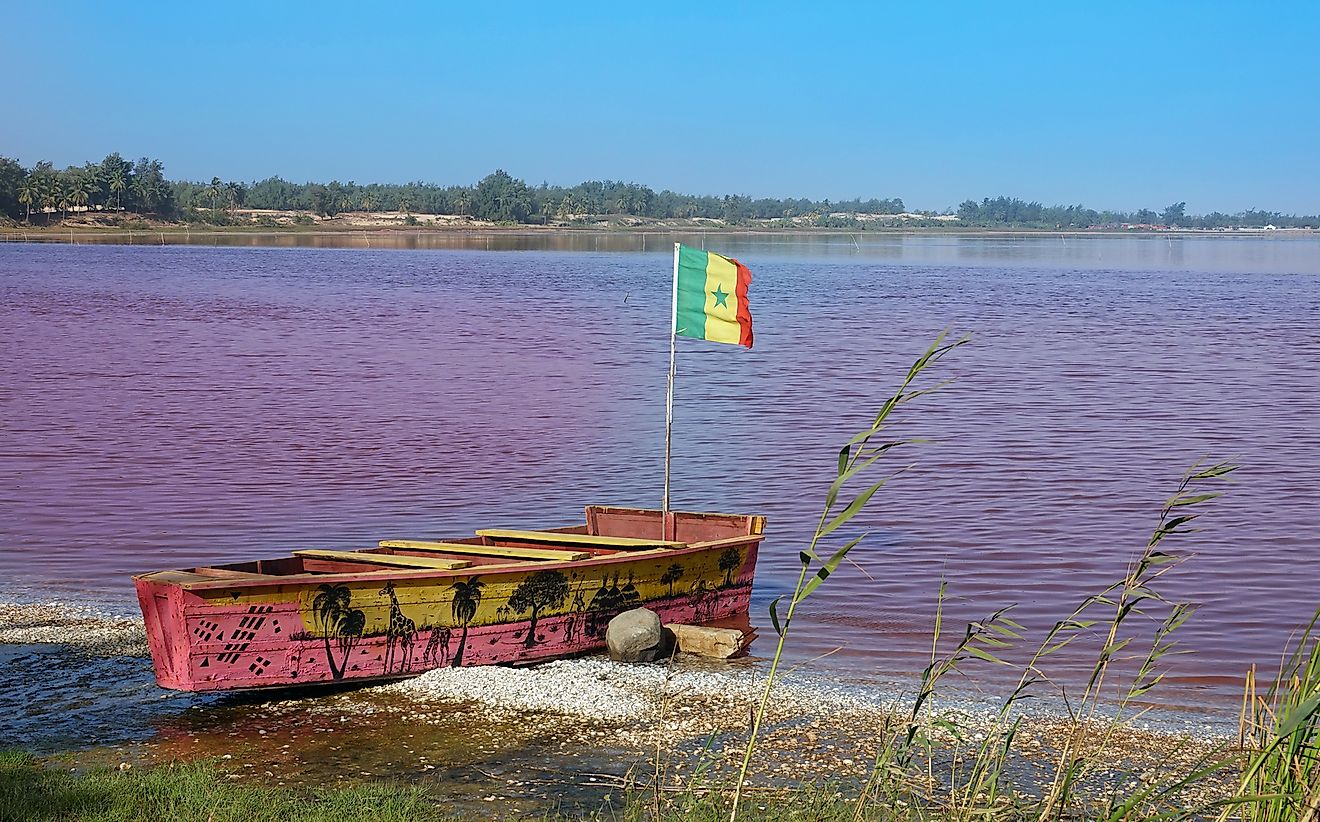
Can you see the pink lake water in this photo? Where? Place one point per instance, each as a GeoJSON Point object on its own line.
{"type": "Point", "coordinates": [172, 406]}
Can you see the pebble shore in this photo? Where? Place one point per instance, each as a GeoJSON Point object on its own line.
{"type": "Point", "coordinates": [813, 729]}
{"type": "Point", "coordinates": [590, 712]}
{"type": "Point", "coordinates": [85, 629]}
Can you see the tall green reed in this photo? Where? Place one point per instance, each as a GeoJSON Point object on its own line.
{"type": "Point", "coordinates": [979, 789]}
{"type": "Point", "coordinates": [1280, 739]}
{"type": "Point", "coordinates": [1133, 625]}
{"type": "Point", "coordinates": [1090, 731]}
{"type": "Point", "coordinates": [856, 459]}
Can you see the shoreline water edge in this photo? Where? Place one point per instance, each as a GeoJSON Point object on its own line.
{"type": "Point", "coordinates": [491, 730]}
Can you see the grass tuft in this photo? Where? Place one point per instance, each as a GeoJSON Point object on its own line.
{"type": "Point", "coordinates": [32, 792]}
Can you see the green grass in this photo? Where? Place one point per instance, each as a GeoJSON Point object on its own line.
{"type": "Point", "coordinates": [30, 791]}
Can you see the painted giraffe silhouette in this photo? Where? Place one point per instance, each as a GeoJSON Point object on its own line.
{"type": "Point", "coordinates": [400, 632]}
{"type": "Point", "coordinates": [437, 647]}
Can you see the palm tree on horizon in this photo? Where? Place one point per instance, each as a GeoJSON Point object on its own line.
{"type": "Point", "coordinates": [51, 194]}
{"type": "Point", "coordinates": [117, 184]}
{"type": "Point", "coordinates": [212, 192]}
{"type": "Point", "coordinates": [80, 190]}
{"type": "Point", "coordinates": [233, 193]}
{"type": "Point", "coordinates": [27, 193]}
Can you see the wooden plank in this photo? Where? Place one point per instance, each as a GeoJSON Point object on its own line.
{"type": "Point", "coordinates": [551, 554]}
{"type": "Point", "coordinates": [197, 582]}
{"type": "Point", "coordinates": [385, 559]}
{"type": "Point", "coordinates": [177, 577]}
{"type": "Point", "coordinates": [225, 573]}
{"type": "Point", "coordinates": [588, 540]}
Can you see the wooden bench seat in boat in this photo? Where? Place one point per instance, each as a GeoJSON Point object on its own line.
{"type": "Point", "coordinates": [385, 559]}
{"type": "Point", "coordinates": [225, 573]}
{"type": "Point", "coordinates": [504, 551]}
{"type": "Point", "coordinates": [190, 577]}
{"type": "Point", "coordinates": [584, 540]}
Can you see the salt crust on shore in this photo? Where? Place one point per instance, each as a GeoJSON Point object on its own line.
{"type": "Point", "coordinates": [597, 688]}
{"type": "Point", "coordinates": [814, 727]}
{"type": "Point", "coordinates": [600, 689]}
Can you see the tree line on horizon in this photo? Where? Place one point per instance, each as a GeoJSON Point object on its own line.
{"type": "Point", "coordinates": [118, 186]}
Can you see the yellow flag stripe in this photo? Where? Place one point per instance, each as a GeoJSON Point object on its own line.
{"type": "Point", "coordinates": [721, 300]}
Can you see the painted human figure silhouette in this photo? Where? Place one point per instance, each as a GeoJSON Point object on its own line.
{"type": "Point", "coordinates": [399, 634]}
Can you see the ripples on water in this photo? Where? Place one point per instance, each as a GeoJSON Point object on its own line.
{"type": "Point", "coordinates": [172, 406]}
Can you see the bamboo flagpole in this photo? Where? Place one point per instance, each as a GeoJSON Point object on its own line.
{"type": "Point", "coordinates": [714, 292]}
{"type": "Point", "coordinates": [669, 397]}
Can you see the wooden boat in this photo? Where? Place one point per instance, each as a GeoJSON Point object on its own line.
{"type": "Point", "coordinates": [407, 606]}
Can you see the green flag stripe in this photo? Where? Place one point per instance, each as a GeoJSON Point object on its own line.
{"type": "Point", "coordinates": [691, 292]}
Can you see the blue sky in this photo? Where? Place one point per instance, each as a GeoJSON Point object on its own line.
{"type": "Point", "coordinates": [1120, 105]}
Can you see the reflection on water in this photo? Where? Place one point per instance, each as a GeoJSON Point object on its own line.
{"type": "Point", "coordinates": [1256, 253]}
{"type": "Point", "coordinates": [172, 406]}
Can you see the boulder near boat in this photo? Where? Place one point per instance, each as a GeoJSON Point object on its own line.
{"type": "Point", "coordinates": [410, 605]}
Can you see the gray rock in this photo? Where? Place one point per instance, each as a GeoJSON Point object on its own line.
{"type": "Point", "coordinates": [636, 636]}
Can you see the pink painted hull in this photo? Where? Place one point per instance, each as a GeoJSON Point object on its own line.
{"type": "Point", "coordinates": [228, 634]}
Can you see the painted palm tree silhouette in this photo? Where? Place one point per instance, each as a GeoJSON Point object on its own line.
{"type": "Point", "coordinates": [672, 575]}
{"type": "Point", "coordinates": [730, 561]}
{"type": "Point", "coordinates": [350, 631]}
{"type": "Point", "coordinates": [337, 619]}
{"type": "Point", "coordinates": [467, 596]}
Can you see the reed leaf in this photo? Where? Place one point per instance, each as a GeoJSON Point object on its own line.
{"type": "Point", "coordinates": [853, 460]}
{"type": "Point", "coordinates": [854, 508]}
{"type": "Point", "coordinates": [829, 566]}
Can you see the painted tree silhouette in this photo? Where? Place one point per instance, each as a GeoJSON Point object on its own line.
{"type": "Point", "coordinates": [730, 561]}
{"type": "Point", "coordinates": [467, 596]}
{"type": "Point", "coordinates": [348, 634]}
{"type": "Point", "coordinates": [672, 575]}
{"type": "Point", "coordinates": [541, 590]}
{"type": "Point", "coordinates": [331, 605]}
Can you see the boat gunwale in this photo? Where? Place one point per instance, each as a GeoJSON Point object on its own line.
{"type": "Point", "coordinates": [282, 580]}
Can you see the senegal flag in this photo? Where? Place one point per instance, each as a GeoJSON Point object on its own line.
{"type": "Point", "coordinates": [710, 297]}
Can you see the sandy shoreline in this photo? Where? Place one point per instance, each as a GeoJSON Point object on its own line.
{"type": "Point", "coordinates": [446, 225]}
